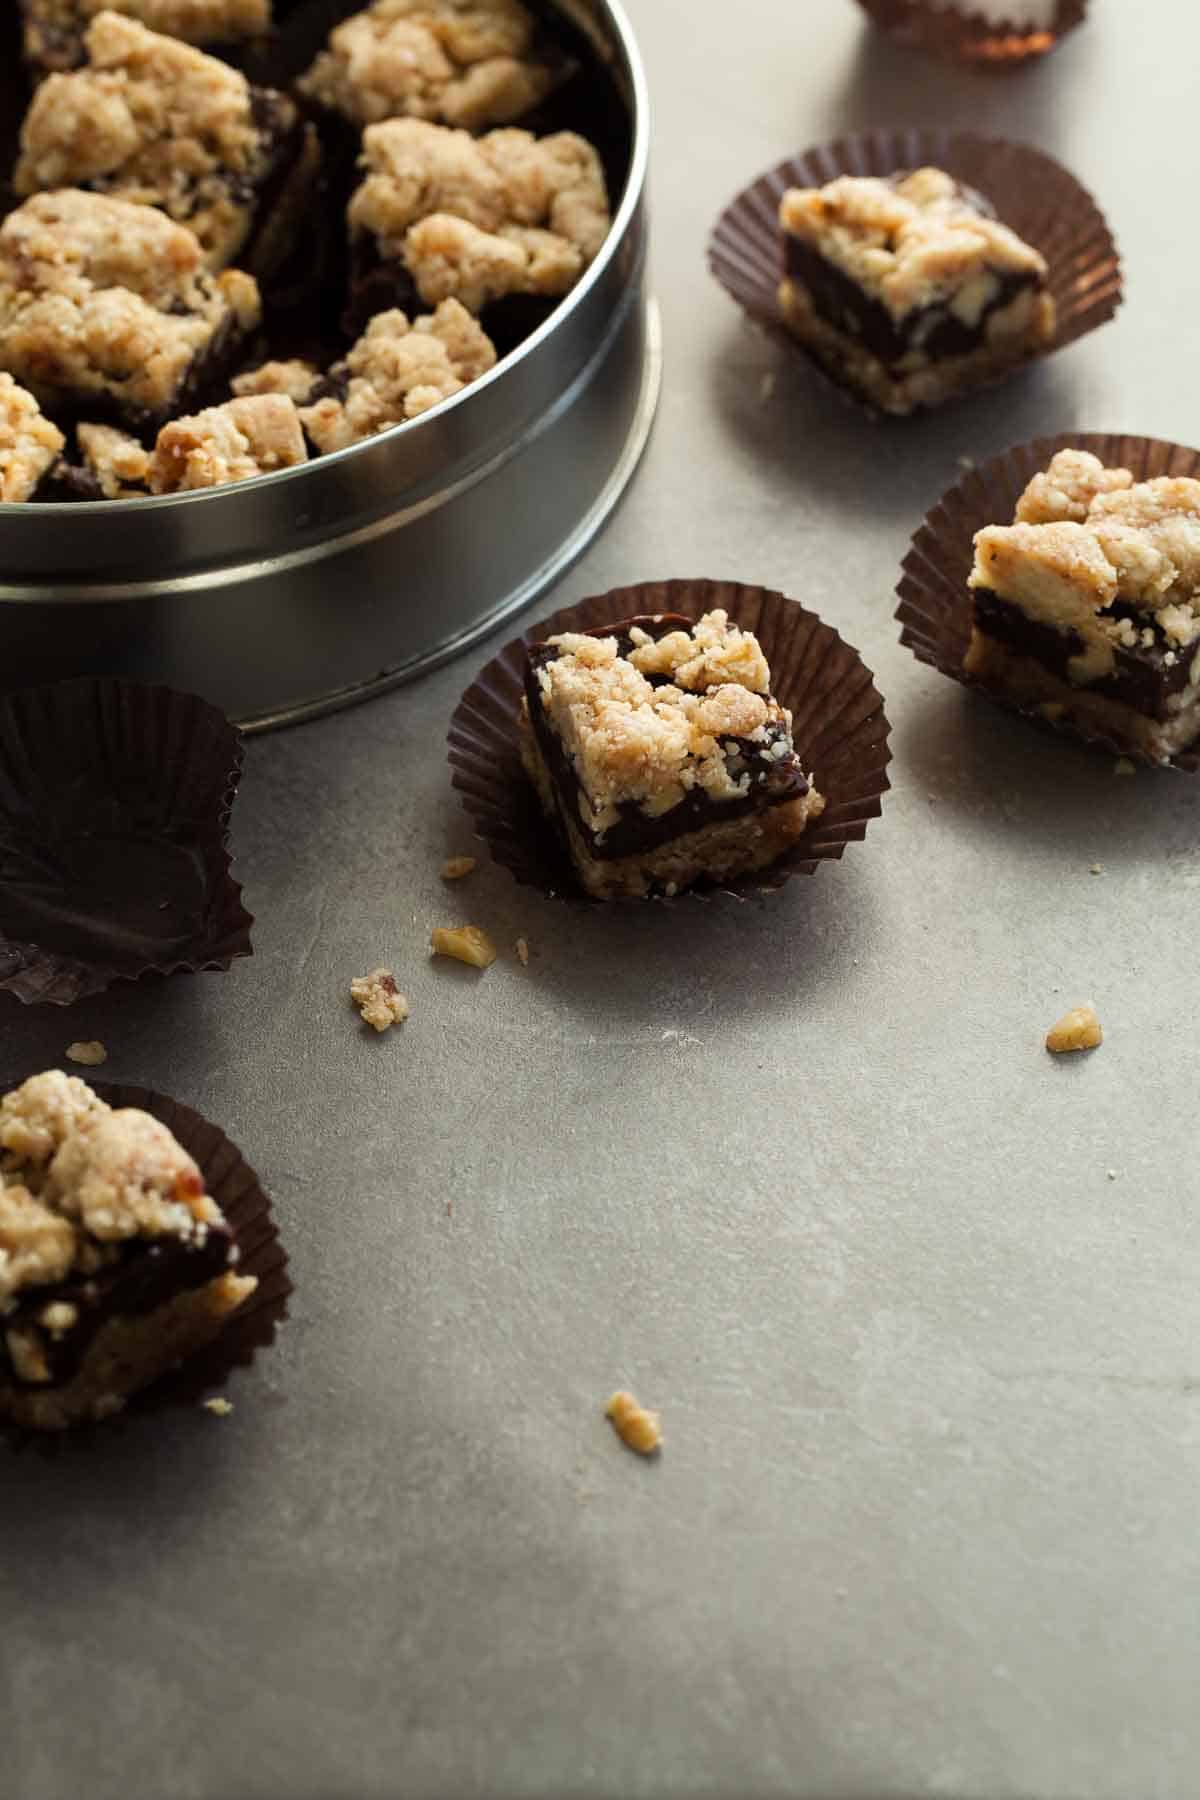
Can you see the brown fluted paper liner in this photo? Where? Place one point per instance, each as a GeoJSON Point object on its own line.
{"type": "Point", "coordinates": [935, 602]}
{"type": "Point", "coordinates": [838, 726]}
{"type": "Point", "coordinates": [962, 32]}
{"type": "Point", "coordinates": [115, 799]}
{"type": "Point", "coordinates": [237, 1190]}
{"type": "Point", "coordinates": [1034, 195]}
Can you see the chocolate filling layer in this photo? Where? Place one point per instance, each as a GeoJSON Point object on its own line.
{"type": "Point", "coordinates": [146, 1275]}
{"type": "Point", "coordinates": [772, 780]}
{"type": "Point", "coordinates": [1142, 679]}
{"type": "Point", "coordinates": [933, 330]}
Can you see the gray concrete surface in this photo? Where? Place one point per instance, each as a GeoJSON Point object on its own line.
{"type": "Point", "coordinates": [799, 1173]}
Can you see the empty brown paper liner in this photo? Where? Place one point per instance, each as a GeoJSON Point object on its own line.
{"type": "Point", "coordinates": [115, 800]}
{"type": "Point", "coordinates": [838, 727]}
{"type": "Point", "coordinates": [238, 1192]}
{"type": "Point", "coordinates": [935, 602]}
{"type": "Point", "coordinates": [1032, 194]}
{"type": "Point", "coordinates": [963, 33]}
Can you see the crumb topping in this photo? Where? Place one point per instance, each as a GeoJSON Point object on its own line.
{"type": "Point", "coordinates": [1078, 1029]}
{"type": "Point", "coordinates": [378, 999]}
{"type": "Point", "coordinates": [631, 742]}
{"type": "Point", "coordinates": [119, 463]}
{"type": "Point", "coordinates": [249, 436]}
{"type": "Point", "coordinates": [196, 21]}
{"type": "Point", "coordinates": [637, 1429]}
{"type": "Point", "coordinates": [29, 443]}
{"type": "Point", "coordinates": [396, 371]}
{"type": "Point", "coordinates": [463, 62]}
{"type": "Point", "coordinates": [1065, 491]}
{"type": "Point", "coordinates": [152, 120]}
{"type": "Point", "coordinates": [911, 242]}
{"type": "Point", "coordinates": [1088, 540]}
{"type": "Point", "coordinates": [103, 297]}
{"type": "Point", "coordinates": [465, 943]}
{"type": "Point", "coordinates": [80, 1178]}
{"type": "Point", "coordinates": [294, 378]}
{"type": "Point", "coordinates": [37, 1118]}
{"type": "Point", "coordinates": [478, 218]}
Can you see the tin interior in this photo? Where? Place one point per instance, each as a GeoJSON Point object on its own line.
{"type": "Point", "coordinates": [403, 467]}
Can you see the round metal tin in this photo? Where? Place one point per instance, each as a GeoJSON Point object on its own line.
{"type": "Point", "coordinates": [285, 597]}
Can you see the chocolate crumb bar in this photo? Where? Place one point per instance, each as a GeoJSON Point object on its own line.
{"type": "Point", "coordinates": [656, 748]}
{"type": "Point", "coordinates": [395, 372]}
{"type": "Point", "coordinates": [254, 435]}
{"type": "Point", "coordinates": [1088, 605]}
{"type": "Point", "coordinates": [470, 63]}
{"type": "Point", "coordinates": [107, 311]}
{"type": "Point", "coordinates": [442, 215]}
{"type": "Point", "coordinates": [909, 289]}
{"type": "Point", "coordinates": [54, 29]}
{"type": "Point", "coordinates": [114, 1262]}
{"type": "Point", "coordinates": [29, 444]}
{"type": "Point", "coordinates": [157, 121]}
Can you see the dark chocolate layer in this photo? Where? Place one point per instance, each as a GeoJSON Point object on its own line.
{"type": "Point", "coordinates": [934, 330]}
{"type": "Point", "coordinates": [146, 1275]}
{"type": "Point", "coordinates": [1142, 679]}
{"type": "Point", "coordinates": [772, 780]}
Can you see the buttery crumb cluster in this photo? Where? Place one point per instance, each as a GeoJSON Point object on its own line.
{"type": "Point", "coordinates": [152, 120]}
{"type": "Point", "coordinates": [396, 371]}
{"type": "Point", "coordinates": [470, 63]}
{"type": "Point", "coordinates": [634, 740]}
{"type": "Point", "coordinates": [29, 443]}
{"type": "Point", "coordinates": [911, 242]}
{"type": "Point", "coordinates": [54, 29]}
{"type": "Point", "coordinates": [479, 218]}
{"type": "Point", "coordinates": [105, 300]}
{"type": "Point", "coordinates": [1115, 561]}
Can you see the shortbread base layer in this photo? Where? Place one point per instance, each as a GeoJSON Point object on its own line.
{"type": "Point", "coordinates": [126, 1355]}
{"type": "Point", "coordinates": [715, 852]}
{"type": "Point", "coordinates": [1029, 683]}
{"type": "Point", "coordinates": [851, 364]}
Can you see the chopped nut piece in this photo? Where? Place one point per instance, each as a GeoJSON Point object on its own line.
{"type": "Point", "coordinates": [378, 999]}
{"type": "Point", "coordinates": [523, 950]}
{"type": "Point", "coordinates": [92, 1052]}
{"type": "Point", "coordinates": [456, 867]}
{"type": "Point", "coordinates": [637, 1429]}
{"type": "Point", "coordinates": [220, 1408]}
{"type": "Point", "coordinates": [466, 943]}
{"type": "Point", "coordinates": [1078, 1029]}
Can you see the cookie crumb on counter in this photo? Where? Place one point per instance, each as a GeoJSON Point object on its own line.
{"type": "Point", "coordinates": [220, 1408]}
{"type": "Point", "coordinates": [466, 943]}
{"type": "Point", "coordinates": [378, 999]}
{"type": "Point", "coordinates": [523, 951]}
{"type": "Point", "coordinates": [1078, 1029]}
{"type": "Point", "coordinates": [1096, 869]}
{"type": "Point", "coordinates": [637, 1429]}
{"type": "Point", "coordinates": [92, 1052]}
{"type": "Point", "coordinates": [1124, 766]}
{"type": "Point", "coordinates": [455, 867]}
